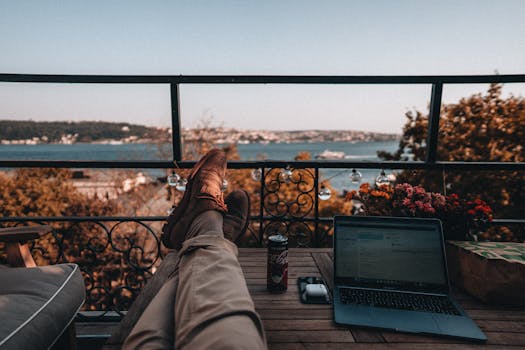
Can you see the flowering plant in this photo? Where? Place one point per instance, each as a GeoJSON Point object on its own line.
{"type": "Point", "coordinates": [479, 214]}
{"type": "Point", "coordinates": [461, 218]}
{"type": "Point", "coordinates": [411, 200]}
{"type": "Point", "coordinates": [479, 211]}
{"type": "Point", "coordinates": [371, 201]}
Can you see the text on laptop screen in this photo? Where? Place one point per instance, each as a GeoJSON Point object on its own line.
{"type": "Point", "coordinates": [390, 254]}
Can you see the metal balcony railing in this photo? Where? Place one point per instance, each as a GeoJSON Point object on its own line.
{"type": "Point", "coordinates": [132, 245]}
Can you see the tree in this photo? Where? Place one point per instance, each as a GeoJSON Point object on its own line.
{"type": "Point", "coordinates": [482, 127]}
{"type": "Point", "coordinates": [106, 261]}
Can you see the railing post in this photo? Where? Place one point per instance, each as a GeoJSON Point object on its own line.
{"type": "Point", "coordinates": [433, 122]}
{"type": "Point", "coordinates": [175, 122]}
{"type": "Point", "coordinates": [316, 207]}
{"type": "Point", "coordinates": [261, 209]}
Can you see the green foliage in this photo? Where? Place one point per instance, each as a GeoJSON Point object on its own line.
{"type": "Point", "coordinates": [87, 131]}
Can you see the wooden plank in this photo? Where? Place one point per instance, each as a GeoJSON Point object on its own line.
{"type": "Point", "coordinates": [96, 329]}
{"type": "Point", "coordinates": [261, 253]}
{"type": "Point", "coordinates": [325, 264]}
{"type": "Point", "coordinates": [260, 283]}
{"type": "Point", "coordinates": [306, 263]}
{"type": "Point", "coordinates": [263, 257]}
{"type": "Point", "coordinates": [260, 280]}
{"type": "Point", "coordinates": [362, 335]}
{"type": "Point", "coordinates": [289, 304]}
{"type": "Point", "coordinates": [476, 305]}
{"type": "Point", "coordinates": [258, 297]}
{"type": "Point", "coordinates": [506, 338]}
{"type": "Point", "coordinates": [101, 329]}
{"type": "Point", "coordinates": [383, 346]}
{"type": "Point", "coordinates": [23, 233]}
{"type": "Point", "coordinates": [249, 251]}
{"type": "Point", "coordinates": [292, 251]}
{"type": "Point", "coordinates": [262, 262]}
{"type": "Point", "coordinates": [497, 315]}
{"type": "Point", "coordinates": [261, 269]}
{"type": "Point", "coordinates": [256, 283]}
{"type": "Point", "coordinates": [261, 289]}
{"type": "Point", "coordinates": [301, 325]}
{"type": "Point", "coordinates": [399, 337]}
{"type": "Point", "coordinates": [295, 314]}
{"type": "Point", "coordinates": [501, 326]}
{"type": "Point", "coordinates": [339, 336]}
{"type": "Point", "coordinates": [291, 267]}
{"type": "Point", "coordinates": [263, 295]}
{"type": "Point", "coordinates": [293, 274]}
{"type": "Point", "coordinates": [494, 338]}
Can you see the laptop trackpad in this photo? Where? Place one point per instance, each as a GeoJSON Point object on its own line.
{"type": "Point", "coordinates": [410, 321]}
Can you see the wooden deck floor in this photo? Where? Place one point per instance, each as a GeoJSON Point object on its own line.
{"type": "Point", "coordinates": [290, 324]}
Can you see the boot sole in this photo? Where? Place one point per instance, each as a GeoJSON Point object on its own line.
{"type": "Point", "coordinates": [243, 231]}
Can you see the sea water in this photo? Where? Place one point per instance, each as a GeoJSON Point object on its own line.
{"type": "Point", "coordinates": [356, 151]}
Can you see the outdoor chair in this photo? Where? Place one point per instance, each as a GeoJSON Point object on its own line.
{"type": "Point", "coordinates": [37, 304]}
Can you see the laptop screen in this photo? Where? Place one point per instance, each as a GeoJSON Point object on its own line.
{"type": "Point", "coordinates": [390, 253]}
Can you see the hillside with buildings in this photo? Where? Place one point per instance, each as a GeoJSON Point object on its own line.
{"type": "Point", "coordinates": [31, 132]}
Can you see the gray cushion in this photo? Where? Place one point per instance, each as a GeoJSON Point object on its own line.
{"type": "Point", "coordinates": [37, 304]}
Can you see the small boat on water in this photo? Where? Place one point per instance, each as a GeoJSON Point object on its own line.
{"type": "Point", "coordinates": [327, 154]}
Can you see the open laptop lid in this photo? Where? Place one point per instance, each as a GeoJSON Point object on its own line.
{"type": "Point", "coordinates": [388, 253]}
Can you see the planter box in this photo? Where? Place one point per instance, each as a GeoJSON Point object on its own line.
{"type": "Point", "coordinates": [493, 272]}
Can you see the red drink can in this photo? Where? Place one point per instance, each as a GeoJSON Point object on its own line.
{"type": "Point", "coordinates": [277, 269]}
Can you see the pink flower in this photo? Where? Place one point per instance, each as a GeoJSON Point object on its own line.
{"type": "Point", "coordinates": [419, 190]}
{"type": "Point", "coordinates": [427, 208]}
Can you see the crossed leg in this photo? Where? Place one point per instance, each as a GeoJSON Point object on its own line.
{"type": "Point", "coordinates": [206, 304]}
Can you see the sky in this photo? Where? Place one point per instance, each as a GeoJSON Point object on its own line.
{"type": "Point", "coordinates": [252, 37]}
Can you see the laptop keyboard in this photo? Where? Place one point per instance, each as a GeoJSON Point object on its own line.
{"type": "Point", "coordinates": [400, 301]}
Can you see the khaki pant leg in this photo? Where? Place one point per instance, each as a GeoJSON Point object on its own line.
{"type": "Point", "coordinates": [232, 332]}
{"type": "Point", "coordinates": [154, 329]}
{"type": "Point", "coordinates": [213, 307]}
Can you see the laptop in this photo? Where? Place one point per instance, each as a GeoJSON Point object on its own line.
{"type": "Point", "coordinates": [391, 273]}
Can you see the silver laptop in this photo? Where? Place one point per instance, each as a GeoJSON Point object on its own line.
{"type": "Point", "coordinates": [391, 273]}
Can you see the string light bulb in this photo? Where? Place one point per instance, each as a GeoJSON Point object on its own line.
{"type": "Point", "coordinates": [382, 179]}
{"type": "Point", "coordinates": [324, 193]}
{"type": "Point", "coordinates": [257, 174]}
{"type": "Point", "coordinates": [172, 179]}
{"type": "Point", "coordinates": [181, 184]}
{"type": "Point", "coordinates": [356, 177]}
{"type": "Point", "coordinates": [286, 174]}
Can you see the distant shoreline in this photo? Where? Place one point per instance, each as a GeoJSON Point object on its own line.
{"type": "Point", "coordinates": [34, 133]}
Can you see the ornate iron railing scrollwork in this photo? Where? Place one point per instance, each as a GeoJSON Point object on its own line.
{"type": "Point", "coordinates": [293, 198]}
{"type": "Point", "coordinates": [116, 255]}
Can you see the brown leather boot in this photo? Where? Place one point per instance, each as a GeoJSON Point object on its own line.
{"type": "Point", "coordinates": [238, 216]}
{"type": "Point", "coordinates": [203, 192]}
